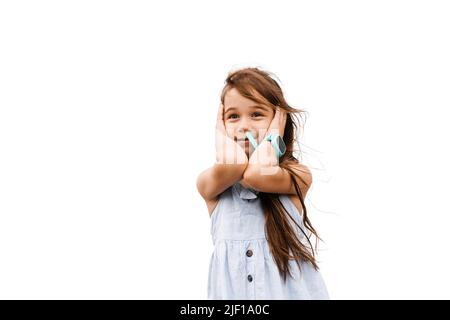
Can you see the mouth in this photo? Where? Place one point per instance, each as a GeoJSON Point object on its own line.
{"type": "Point", "coordinates": [243, 141]}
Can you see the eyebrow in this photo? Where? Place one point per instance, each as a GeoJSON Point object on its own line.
{"type": "Point", "coordinates": [254, 107]}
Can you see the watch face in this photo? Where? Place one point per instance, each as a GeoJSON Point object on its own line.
{"type": "Point", "coordinates": [281, 144]}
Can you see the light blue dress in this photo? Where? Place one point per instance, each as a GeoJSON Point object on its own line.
{"type": "Point", "coordinates": [241, 265]}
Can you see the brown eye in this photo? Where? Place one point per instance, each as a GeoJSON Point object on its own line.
{"type": "Point", "coordinates": [232, 115]}
{"type": "Point", "coordinates": [257, 114]}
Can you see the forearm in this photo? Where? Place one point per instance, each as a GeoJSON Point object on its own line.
{"type": "Point", "coordinates": [230, 163]}
{"type": "Point", "coordinates": [219, 177]}
{"type": "Point", "coordinates": [228, 173]}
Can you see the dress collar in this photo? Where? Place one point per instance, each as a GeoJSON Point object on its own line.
{"type": "Point", "coordinates": [245, 193]}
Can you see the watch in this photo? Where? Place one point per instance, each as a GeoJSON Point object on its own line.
{"type": "Point", "coordinates": [251, 139]}
{"type": "Point", "coordinates": [277, 143]}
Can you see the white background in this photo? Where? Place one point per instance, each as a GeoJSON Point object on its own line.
{"type": "Point", "coordinates": [107, 115]}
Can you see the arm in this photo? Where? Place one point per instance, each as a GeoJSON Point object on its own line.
{"type": "Point", "coordinates": [274, 179]}
{"type": "Point", "coordinates": [216, 179]}
{"type": "Point", "coordinates": [230, 165]}
{"type": "Point", "coordinates": [263, 172]}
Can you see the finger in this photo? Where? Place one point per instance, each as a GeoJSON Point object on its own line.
{"type": "Point", "coordinates": [220, 112]}
{"type": "Point", "coordinates": [276, 116]}
{"type": "Point", "coordinates": [277, 111]}
{"type": "Point", "coordinates": [282, 117]}
{"type": "Point", "coordinates": [279, 114]}
{"type": "Point", "coordinates": [220, 123]}
{"type": "Point", "coordinates": [274, 125]}
{"type": "Point", "coordinates": [283, 122]}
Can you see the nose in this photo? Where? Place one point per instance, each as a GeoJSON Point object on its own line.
{"type": "Point", "coordinates": [244, 125]}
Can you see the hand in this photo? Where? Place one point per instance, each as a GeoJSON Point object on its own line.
{"type": "Point", "coordinates": [264, 157]}
{"type": "Point", "coordinates": [278, 123]}
{"type": "Point", "coordinates": [228, 151]}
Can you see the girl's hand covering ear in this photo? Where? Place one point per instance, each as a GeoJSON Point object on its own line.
{"type": "Point", "coordinates": [278, 122]}
{"type": "Point", "coordinates": [220, 125]}
{"type": "Point", "coordinates": [228, 151]}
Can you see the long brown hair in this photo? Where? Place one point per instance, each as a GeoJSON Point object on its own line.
{"type": "Point", "coordinates": [259, 86]}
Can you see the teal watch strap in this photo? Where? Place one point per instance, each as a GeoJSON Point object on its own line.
{"type": "Point", "coordinates": [251, 139]}
{"type": "Point", "coordinates": [275, 140]}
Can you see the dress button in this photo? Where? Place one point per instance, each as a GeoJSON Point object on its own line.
{"type": "Point", "coordinates": [250, 278]}
{"type": "Point", "coordinates": [249, 253]}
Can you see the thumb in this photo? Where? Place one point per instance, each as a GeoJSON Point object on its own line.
{"type": "Point", "coordinates": [275, 122]}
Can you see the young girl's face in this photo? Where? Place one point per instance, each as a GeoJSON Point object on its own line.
{"type": "Point", "coordinates": [242, 115]}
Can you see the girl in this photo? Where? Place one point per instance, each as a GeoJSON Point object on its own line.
{"type": "Point", "coordinates": [255, 197]}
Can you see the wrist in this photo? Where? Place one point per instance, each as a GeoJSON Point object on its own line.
{"type": "Point", "coordinates": [277, 143]}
